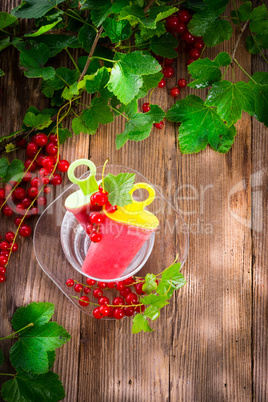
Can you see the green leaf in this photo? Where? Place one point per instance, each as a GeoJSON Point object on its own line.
{"type": "Point", "coordinates": [51, 358]}
{"type": "Point", "coordinates": [154, 300]}
{"type": "Point", "coordinates": [64, 133]}
{"type": "Point", "coordinates": [206, 71]}
{"type": "Point", "coordinates": [143, 35]}
{"type": "Point", "coordinates": [79, 126]}
{"type": "Point", "coordinates": [165, 45]}
{"type": "Point", "coordinates": [29, 352]}
{"type": "Point", "coordinates": [140, 125]}
{"type": "Point", "coordinates": [100, 9]}
{"type": "Point", "coordinates": [63, 75]}
{"type": "Point", "coordinates": [4, 43]}
{"type": "Point", "coordinates": [34, 8]}
{"type": "Point", "coordinates": [27, 387]}
{"type": "Point", "coordinates": [260, 93]}
{"type": "Point", "coordinates": [98, 83]}
{"type": "Point", "coordinates": [40, 121]}
{"type": "Point", "coordinates": [11, 171]}
{"type": "Point", "coordinates": [230, 99]}
{"type": "Point", "coordinates": [1, 73]}
{"type": "Point", "coordinates": [98, 113]}
{"type": "Point", "coordinates": [1, 357]}
{"type": "Point", "coordinates": [216, 5]}
{"type": "Point", "coordinates": [35, 313]}
{"type": "Point", "coordinates": [117, 30]}
{"type": "Point", "coordinates": [93, 66]}
{"type": "Point", "coordinates": [119, 187]}
{"type": "Point", "coordinates": [6, 19]}
{"type": "Point", "coordinates": [212, 28]}
{"type": "Point", "coordinates": [171, 280]}
{"type": "Point", "coordinates": [152, 312]}
{"type": "Point", "coordinates": [43, 29]}
{"type": "Point", "coordinates": [259, 20]}
{"type": "Point", "coordinates": [33, 57]}
{"type": "Point", "coordinates": [255, 43]}
{"type": "Point", "coordinates": [243, 13]}
{"type": "Point", "coordinates": [201, 125]}
{"type": "Point", "coordinates": [56, 43]}
{"type": "Point", "coordinates": [140, 324]}
{"type": "Point", "coordinates": [135, 15]}
{"type": "Point", "coordinates": [150, 283]}
{"type": "Point", "coordinates": [86, 37]}
{"type": "Point", "coordinates": [126, 76]}
{"type": "Point", "coordinates": [69, 92]}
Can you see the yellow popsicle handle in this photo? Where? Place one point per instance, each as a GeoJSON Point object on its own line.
{"type": "Point", "coordinates": [89, 184]}
{"type": "Point", "coordinates": [138, 206]}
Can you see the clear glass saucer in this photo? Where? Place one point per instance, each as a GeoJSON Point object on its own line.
{"type": "Point", "coordinates": [60, 243]}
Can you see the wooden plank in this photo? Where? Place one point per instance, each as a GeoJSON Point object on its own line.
{"type": "Point", "coordinates": [260, 247]}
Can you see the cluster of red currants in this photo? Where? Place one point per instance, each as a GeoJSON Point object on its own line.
{"type": "Point", "coordinates": [98, 200]}
{"type": "Point", "coordinates": [6, 248]}
{"type": "Point", "coordinates": [124, 305]}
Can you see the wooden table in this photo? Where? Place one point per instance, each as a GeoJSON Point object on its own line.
{"type": "Point", "coordinates": [211, 341]}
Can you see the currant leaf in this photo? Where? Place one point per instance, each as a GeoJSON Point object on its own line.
{"type": "Point", "coordinates": [29, 352]}
{"type": "Point", "coordinates": [230, 99]}
{"type": "Point", "coordinates": [165, 45]}
{"type": "Point", "coordinates": [206, 71]}
{"type": "Point", "coordinates": [154, 300]}
{"type": "Point", "coordinates": [152, 312]}
{"type": "Point", "coordinates": [118, 188]}
{"type": "Point", "coordinates": [98, 83]}
{"type": "Point", "coordinates": [117, 30]}
{"type": "Point", "coordinates": [86, 37]}
{"type": "Point", "coordinates": [33, 57]}
{"type": "Point", "coordinates": [126, 76]}
{"type": "Point", "coordinates": [150, 283]}
{"type": "Point", "coordinates": [28, 387]}
{"type": "Point", "coordinates": [145, 34]}
{"type": "Point", "coordinates": [11, 171]}
{"type": "Point", "coordinates": [243, 13]}
{"type": "Point", "coordinates": [216, 5]}
{"type": "Point", "coordinates": [37, 121]}
{"type": "Point", "coordinates": [201, 125]}
{"type": "Point", "coordinates": [51, 358]}
{"type": "Point", "coordinates": [6, 19]}
{"type": "Point", "coordinates": [64, 134]}
{"type": "Point", "coordinates": [259, 20]}
{"type": "Point", "coordinates": [34, 8]}
{"type": "Point", "coordinates": [211, 27]}
{"type": "Point", "coordinates": [135, 15]}
{"type": "Point", "coordinates": [1, 73]}
{"type": "Point", "coordinates": [98, 113]}
{"type": "Point", "coordinates": [1, 357]}
{"type": "Point", "coordinates": [63, 75]}
{"type": "Point", "coordinates": [56, 43]}
{"type": "Point", "coordinates": [260, 93]}
{"type": "Point", "coordinates": [100, 9]}
{"type": "Point", "coordinates": [43, 29]}
{"type": "Point", "coordinates": [255, 43]}
{"type": "Point", "coordinates": [140, 324]}
{"type": "Point", "coordinates": [79, 126]}
{"type": "Point", "coordinates": [35, 313]}
{"type": "Point", "coordinates": [171, 280]}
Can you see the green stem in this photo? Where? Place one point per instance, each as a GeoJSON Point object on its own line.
{"type": "Point", "coordinates": [11, 375]}
{"type": "Point", "coordinates": [102, 58]}
{"type": "Point", "coordinates": [236, 13]}
{"type": "Point", "coordinates": [241, 68]}
{"type": "Point", "coordinates": [78, 18]}
{"type": "Point", "coordinates": [14, 333]}
{"type": "Point", "coordinates": [116, 110]}
{"type": "Point", "coordinates": [127, 47]}
{"type": "Point", "coordinates": [225, 72]}
{"type": "Point", "coordinates": [74, 113]}
{"type": "Point", "coordinates": [62, 79]}
{"type": "Point", "coordinates": [71, 57]}
{"type": "Point", "coordinates": [7, 33]}
{"type": "Point", "coordinates": [256, 43]}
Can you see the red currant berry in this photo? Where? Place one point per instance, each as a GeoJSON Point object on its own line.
{"type": "Point", "coordinates": [128, 311]}
{"type": "Point", "coordinates": [118, 301]}
{"type": "Point", "coordinates": [181, 28]}
{"type": "Point", "coordinates": [139, 309]}
{"type": "Point", "coordinates": [42, 172]}
{"type": "Point", "coordinates": [132, 298]}
{"type": "Point", "coordinates": [30, 165]}
{"type": "Point", "coordinates": [199, 44]}
{"type": "Point", "coordinates": [174, 92]}
{"type": "Point", "coordinates": [168, 71]}
{"type": "Point", "coordinates": [89, 229]}
{"type": "Point", "coordinates": [84, 301]}
{"type": "Point", "coordinates": [34, 211]}
{"type": "Point", "coordinates": [96, 313]}
{"type": "Point", "coordinates": [47, 190]}
{"type": "Point", "coordinates": [32, 192]}
{"type": "Point", "coordinates": [25, 230]}
{"type": "Point", "coordinates": [36, 182]}
{"type": "Point", "coordinates": [162, 83]}
{"type": "Point", "coordinates": [146, 107]}
{"type": "Point", "coordinates": [7, 211]}
{"type": "Point", "coordinates": [99, 198]}
{"type": "Point", "coordinates": [118, 313]}
{"type": "Point", "coordinates": [78, 287]}
{"type": "Point", "coordinates": [21, 143]}
{"type": "Point", "coordinates": [19, 193]}
{"type": "Point", "coordinates": [56, 180]}
{"type": "Point", "coordinates": [91, 282]}
{"type": "Point", "coordinates": [2, 193]}
{"type": "Point", "coordinates": [87, 290]}
{"type": "Point", "coordinates": [103, 300]}
{"type": "Point", "coordinates": [95, 237]}
{"type": "Point", "coordinates": [9, 236]}
{"type": "Point", "coordinates": [14, 247]}
{"type": "Point", "coordinates": [39, 159]}
{"type": "Point", "coordinates": [2, 278]}
{"type": "Point", "coordinates": [45, 180]}
{"type": "Point", "coordinates": [102, 285]}
{"type": "Point", "coordinates": [8, 188]}
{"type": "Point", "coordinates": [168, 62]}
{"type": "Point", "coordinates": [17, 221]}
{"type": "Point", "coordinates": [31, 150]}
{"type": "Point", "coordinates": [125, 292]}
{"type": "Point", "coordinates": [4, 245]}
{"type": "Point", "coordinates": [159, 125]}
{"type": "Point", "coordinates": [63, 166]}
{"type": "Point", "coordinates": [184, 16]}
{"type": "Point", "coordinates": [194, 54]}
{"type": "Point", "coordinates": [172, 22]}
{"type": "Point", "coordinates": [3, 261]}
{"type": "Point", "coordinates": [53, 138]}
{"type": "Point", "coordinates": [120, 286]}
{"type": "Point", "coordinates": [190, 61]}
{"type": "Point", "coordinates": [97, 293]}
{"type": "Point", "coordinates": [70, 283]}
{"type": "Point", "coordinates": [96, 218]}
{"type": "Point", "coordinates": [48, 162]}
{"type": "Point", "coordinates": [4, 253]}
{"type": "Point", "coordinates": [188, 38]}
{"type": "Point", "coordinates": [111, 285]}
{"type": "Point", "coordinates": [111, 313]}
{"type": "Point", "coordinates": [41, 201]}
{"type": "Point", "coordinates": [128, 281]}
{"type": "Point", "coordinates": [27, 176]}
{"type": "Point", "coordinates": [20, 209]}
{"type": "Point", "coordinates": [3, 270]}
{"type": "Point", "coordinates": [182, 83]}
{"type": "Point", "coordinates": [51, 149]}
{"type": "Point", "coordinates": [104, 310]}
{"type": "Point", "coordinates": [110, 208]}
{"type": "Point", "coordinates": [41, 139]}
{"type": "Point", "coordinates": [138, 288]}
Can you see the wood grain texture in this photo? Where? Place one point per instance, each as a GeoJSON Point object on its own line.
{"type": "Point", "coordinates": [211, 341]}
